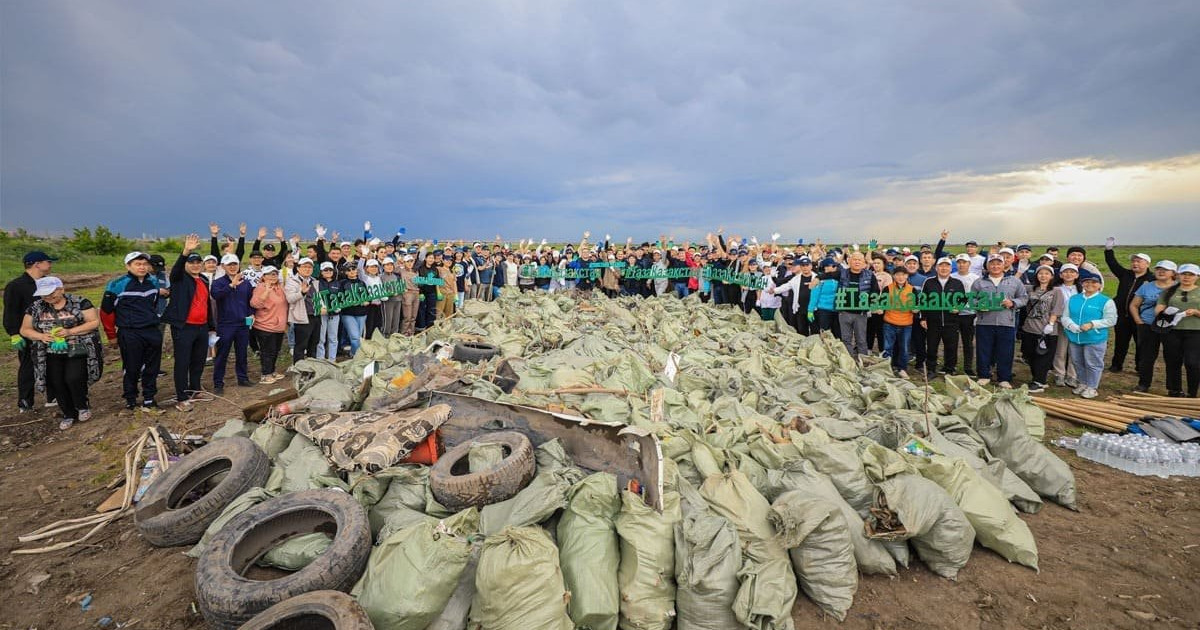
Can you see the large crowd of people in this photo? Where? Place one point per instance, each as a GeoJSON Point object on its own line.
{"type": "Point", "coordinates": [321, 299]}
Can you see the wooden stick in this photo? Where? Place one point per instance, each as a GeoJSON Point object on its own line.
{"type": "Point", "coordinates": [576, 390]}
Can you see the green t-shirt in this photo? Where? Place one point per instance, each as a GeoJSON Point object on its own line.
{"type": "Point", "coordinates": [1183, 300]}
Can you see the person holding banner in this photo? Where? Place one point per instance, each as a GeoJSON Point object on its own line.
{"type": "Point", "coordinates": [941, 326]}
{"type": "Point", "coordinates": [996, 330]}
{"type": "Point", "coordinates": [898, 323]}
{"type": "Point", "coordinates": [854, 323]}
{"type": "Point", "coordinates": [328, 286]}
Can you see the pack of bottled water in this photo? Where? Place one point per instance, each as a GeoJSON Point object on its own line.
{"type": "Point", "coordinates": [1140, 454]}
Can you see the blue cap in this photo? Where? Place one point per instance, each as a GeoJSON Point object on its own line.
{"type": "Point", "coordinates": [802, 260]}
{"type": "Point", "coordinates": [1084, 274]}
{"type": "Point", "coordinates": [828, 262]}
{"type": "Point", "coordinates": [37, 257]}
{"type": "Point", "coordinates": [1024, 246]}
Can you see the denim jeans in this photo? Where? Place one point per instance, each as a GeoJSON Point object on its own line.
{"type": "Point", "coordinates": [327, 346]}
{"type": "Point", "coordinates": [1089, 362]}
{"type": "Point", "coordinates": [895, 343]}
{"type": "Point", "coordinates": [354, 325]}
{"type": "Point", "coordinates": [681, 289]}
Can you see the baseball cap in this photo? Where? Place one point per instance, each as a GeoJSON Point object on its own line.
{"type": "Point", "coordinates": [157, 260]}
{"type": "Point", "coordinates": [1145, 257]}
{"type": "Point", "coordinates": [388, 260]}
{"type": "Point", "coordinates": [828, 262]}
{"type": "Point", "coordinates": [943, 260]}
{"type": "Point", "coordinates": [1025, 247]}
{"type": "Point", "coordinates": [1166, 264]}
{"type": "Point", "coordinates": [966, 257]}
{"type": "Point", "coordinates": [345, 244]}
{"type": "Point", "coordinates": [972, 243]}
{"type": "Point", "coordinates": [1075, 248]}
{"type": "Point", "coordinates": [229, 259]}
{"type": "Point", "coordinates": [1069, 267]}
{"type": "Point", "coordinates": [269, 269]}
{"type": "Point", "coordinates": [212, 258]}
{"type": "Point", "coordinates": [1049, 268]}
{"type": "Point", "coordinates": [269, 247]}
{"type": "Point", "coordinates": [1045, 256]}
{"type": "Point", "coordinates": [407, 258]}
{"type": "Point", "coordinates": [194, 258]}
{"type": "Point", "coordinates": [992, 257]}
{"type": "Point", "coordinates": [46, 286]}
{"type": "Point", "coordinates": [912, 258]}
{"type": "Point", "coordinates": [1007, 250]}
{"type": "Point", "coordinates": [38, 256]}
{"type": "Point", "coordinates": [1189, 268]}
{"type": "Point", "coordinates": [132, 256]}
{"type": "Point", "coordinates": [305, 261]}
{"type": "Point", "coordinates": [327, 265]}
{"type": "Point", "coordinates": [256, 253]}
{"type": "Point", "coordinates": [1086, 275]}
{"type": "Point", "coordinates": [372, 263]}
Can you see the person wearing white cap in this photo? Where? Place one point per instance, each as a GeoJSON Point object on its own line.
{"type": "Point", "coordinates": [966, 317]}
{"type": "Point", "coordinates": [65, 348]}
{"type": "Point", "coordinates": [410, 300]}
{"type": "Point", "coordinates": [1128, 281]}
{"type": "Point", "coordinates": [1179, 306]}
{"type": "Point", "coordinates": [270, 321]}
{"type": "Point", "coordinates": [1089, 316]}
{"type": "Point", "coordinates": [132, 299]}
{"type": "Point", "coordinates": [1064, 368]}
{"type": "Point", "coordinates": [300, 291]}
{"type": "Point", "coordinates": [232, 292]}
{"type": "Point", "coordinates": [1141, 308]}
{"type": "Point", "coordinates": [941, 327]}
{"type": "Point", "coordinates": [368, 272]}
{"type": "Point", "coordinates": [996, 330]}
{"type": "Point", "coordinates": [327, 286]}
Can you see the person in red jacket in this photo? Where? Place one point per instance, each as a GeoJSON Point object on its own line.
{"type": "Point", "coordinates": [191, 316]}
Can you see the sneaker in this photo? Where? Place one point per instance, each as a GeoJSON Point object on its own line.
{"type": "Point", "coordinates": [151, 407]}
{"type": "Point", "coordinates": [984, 382]}
{"type": "Point", "coordinates": [902, 374]}
{"type": "Point", "coordinates": [267, 379]}
{"type": "Point", "coordinates": [1036, 388]}
{"type": "Point", "coordinates": [65, 424]}
{"type": "Point", "coordinates": [1116, 369]}
{"type": "Point", "coordinates": [245, 383]}
{"type": "Point", "coordinates": [1141, 388]}
{"type": "Point", "coordinates": [131, 404]}
{"type": "Point", "coordinates": [84, 415]}
{"type": "Point", "coordinates": [1005, 385]}
{"type": "Point", "coordinates": [184, 406]}
{"type": "Point", "coordinates": [219, 389]}
{"type": "Point", "coordinates": [50, 403]}
{"type": "Point", "coordinates": [23, 406]}
{"type": "Point", "coordinates": [1070, 382]}
{"type": "Point", "coordinates": [1079, 389]}
{"type": "Point", "coordinates": [1088, 392]}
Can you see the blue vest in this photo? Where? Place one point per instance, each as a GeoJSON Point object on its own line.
{"type": "Point", "coordinates": [1082, 310]}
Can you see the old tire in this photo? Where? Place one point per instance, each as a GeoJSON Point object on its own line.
{"type": "Point", "coordinates": [474, 352]}
{"type": "Point", "coordinates": [163, 517]}
{"type": "Point", "coordinates": [318, 610]}
{"type": "Point", "coordinates": [227, 599]}
{"type": "Point", "coordinates": [456, 488]}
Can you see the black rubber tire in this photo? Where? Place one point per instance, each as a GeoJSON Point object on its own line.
{"type": "Point", "coordinates": [227, 599]}
{"type": "Point", "coordinates": [318, 610]}
{"type": "Point", "coordinates": [464, 489]}
{"type": "Point", "coordinates": [161, 518]}
{"type": "Point", "coordinates": [474, 351]}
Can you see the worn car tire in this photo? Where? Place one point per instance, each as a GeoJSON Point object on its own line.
{"type": "Point", "coordinates": [318, 610]}
{"type": "Point", "coordinates": [227, 599]}
{"type": "Point", "coordinates": [474, 351]}
{"type": "Point", "coordinates": [457, 489]}
{"type": "Point", "coordinates": [161, 516]}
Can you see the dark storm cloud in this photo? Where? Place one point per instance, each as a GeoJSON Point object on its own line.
{"type": "Point", "coordinates": [531, 119]}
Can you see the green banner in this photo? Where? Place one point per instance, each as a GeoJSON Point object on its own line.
{"type": "Point", "coordinates": [359, 294]}
{"type": "Point", "coordinates": [712, 274]}
{"type": "Point", "coordinates": [850, 299]}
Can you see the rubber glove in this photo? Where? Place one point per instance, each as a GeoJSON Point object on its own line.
{"type": "Point", "coordinates": [1048, 329]}
{"type": "Point", "coordinates": [18, 342]}
{"type": "Point", "coordinates": [812, 316]}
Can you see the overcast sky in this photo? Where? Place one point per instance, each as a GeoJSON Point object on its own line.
{"type": "Point", "coordinates": [1024, 121]}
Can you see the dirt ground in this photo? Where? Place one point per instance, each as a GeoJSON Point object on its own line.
{"type": "Point", "coordinates": [1130, 558]}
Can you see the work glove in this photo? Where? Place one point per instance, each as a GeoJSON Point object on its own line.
{"type": "Point", "coordinates": [58, 345]}
{"type": "Point", "coordinates": [18, 342]}
{"type": "Point", "coordinates": [421, 297]}
{"type": "Point", "coordinates": [320, 230]}
{"type": "Point", "coordinates": [1048, 329]}
{"type": "Point", "coordinates": [1072, 327]}
{"type": "Point", "coordinates": [1110, 242]}
{"type": "Point", "coordinates": [812, 316]}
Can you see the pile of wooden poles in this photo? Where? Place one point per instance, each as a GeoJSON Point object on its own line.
{"type": "Point", "coordinates": [1155, 405]}
{"type": "Point", "coordinates": [1104, 416]}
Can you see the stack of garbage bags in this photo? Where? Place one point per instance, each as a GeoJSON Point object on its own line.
{"type": "Point", "coordinates": [789, 469]}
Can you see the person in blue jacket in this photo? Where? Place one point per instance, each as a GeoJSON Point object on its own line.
{"type": "Point", "coordinates": [821, 300]}
{"type": "Point", "coordinates": [234, 316]}
{"type": "Point", "coordinates": [1087, 320]}
{"type": "Point", "coordinates": [133, 300]}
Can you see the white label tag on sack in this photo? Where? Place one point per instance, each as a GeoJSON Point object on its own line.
{"type": "Point", "coordinates": [672, 367]}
